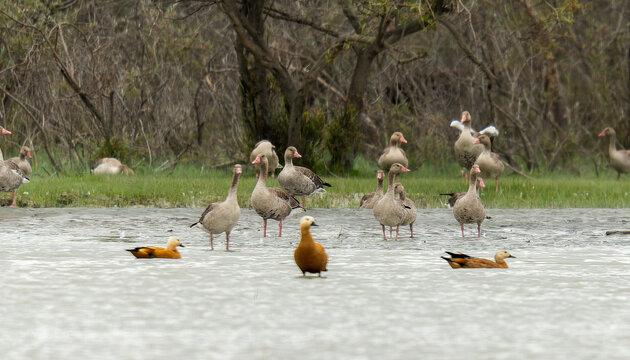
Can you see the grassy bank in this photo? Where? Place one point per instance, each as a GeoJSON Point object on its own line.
{"type": "Point", "coordinates": [194, 186]}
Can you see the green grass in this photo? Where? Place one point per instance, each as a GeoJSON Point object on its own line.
{"type": "Point", "coordinates": [195, 186]}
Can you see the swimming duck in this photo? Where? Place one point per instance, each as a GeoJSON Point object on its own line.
{"type": "Point", "coordinates": [459, 260]}
{"type": "Point", "coordinates": [309, 255]}
{"type": "Point", "coordinates": [220, 217]}
{"type": "Point", "coordinates": [150, 252]}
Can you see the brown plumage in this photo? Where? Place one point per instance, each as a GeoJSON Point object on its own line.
{"type": "Point", "coordinates": [11, 177]}
{"type": "Point", "coordinates": [459, 260]}
{"type": "Point", "coordinates": [469, 209]}
{"type": "Point", "coordinates": [389, 210]}
{"type": "Point", "coordinates": [270, 203]}
{"type": "Point", "coordinates": [298, 180]}
{"type": "Point", "coordinates": [368, 200]}
{"type": "Point", "coordinates": [220, 217]}
{"type": "Point", "coordinates": [393, 153]}
{"type": "Point", "coordinates": [309, 255]}
{"type": "Point", "coordinates": [619, 159]}
{"type": "Point", "coordinates": [466, 152]}
{"type": "Point", "coordinates": [410, 207]}
{"type": "Point", "coordinates": [456, 196]}
{"type": "Point", "coordinates": [22, 162]}
{"type": "Point", "coordinates": [489, 163]}
{"type": "Point", "coordinates": [265, 147]}
{"type": "Point", "coordinates": [150, 252]}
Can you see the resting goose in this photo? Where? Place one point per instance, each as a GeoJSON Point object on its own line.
{"type": "Point", "coordinates": [151, 252]}
{"type": "Point", "coordinates": [489, 163]}
{"type": "Point", "coordinates": [459, 260]}
{"type": "Point", "coordinates": [410, 207]}
{"type": "Point", "coordinates": [393, 153]}
{"type": "Point", "coordinates": [267, 148]}
{"type": "Point", "coordinates": [309, 255]}
{"type": "Point", "coordinates": [22, 161]}
{"type": "Point", "coordinates": [298, 180]}
{"type": "Point", "coordinates": [466, 152]}
{"type": "Point", "coordinates": [270, 203]}
{"type": "Point", "coordinates": [111, 166]}
{"type": "Point", "coordinates": [469, 209]}
{"type": "Point", "coordinates": [220, 217]}
{"type": "Point", "coordinates": [456, 196]}
{"type": "Point", "coordinates": [619, 159]}
{"type": "Point", "coordinates": [11, 177]}
{"type": "Point", "coordinates": [389, 210]}
{"type": "Point", "coordinates": [368, 200]}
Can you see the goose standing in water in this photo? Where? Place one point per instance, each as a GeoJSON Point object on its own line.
{"type": "Point", "coordinates": [389, 210]}
{"type": "Point", "coordinates": [151, 252]}
{"type": "Point", "coordinates": [619, 159]}
{"type": "Point", "coordinates": [459, 260]}
{"type": "Point", "coordinates": [298, 180]}
{"type": "Point", "coordinates": [456, 196]}
{"type": "Point", "coordinates": [267, 148]}
{"type": "Point", "coordinates": [270, 203]}
{"type": "Point", "coordinates": [489, 163]}
{"type": "Point", "coordinates": [309, 256]}
{"type": "Point", "coordinates": [393, 153]}
{"type": "Point", "coordinates": [466, 152]}
{"type": "Point", "coordinates": [469, 209]}
{"type": "Point", "coordinates": [22, 162]}
{"type": "Point", "coordinates": [368, 200]}
{"type": "Point", "coordinates": [410, 207]}
{"type": "Point", "coordinates": [220, 217]}
{"type": "Point", "coordinates": [111, 166]}
{"type": "Point", "coordinates": [11, 177]}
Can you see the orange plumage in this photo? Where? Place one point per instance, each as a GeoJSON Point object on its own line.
{"type": "Point", "coordinates": [459, 260]}
{"type": "Point", "coordinates": [309, 255]}
{"type": "Point", "coordinates": [150, 252]}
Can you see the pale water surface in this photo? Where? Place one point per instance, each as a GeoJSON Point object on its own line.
{"type": "Point", "coordinates": [69, 289]}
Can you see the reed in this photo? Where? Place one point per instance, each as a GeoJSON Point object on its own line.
{"type": "Point", "coordinates": [196, 186]}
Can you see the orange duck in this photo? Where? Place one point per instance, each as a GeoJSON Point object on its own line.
{"type": "Point", "coordinates": [150, 252]}
{"type": "Point", "coordinates": [459, 260]}
{"type": "Point", "coordinates": [309, 255]}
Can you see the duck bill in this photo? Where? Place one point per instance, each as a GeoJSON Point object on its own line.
{"type": "Point", "coordinates": [5, 132]}
{"type": "Point", "coordinates": [603, 133]}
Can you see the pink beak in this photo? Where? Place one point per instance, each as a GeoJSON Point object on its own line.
{"type": "Point", "coordinates": [5, 132]}
{"type": "Point", "coordinates": [28, 154]}
{"type": "Point", "coordinates": [476, 141]}
{"type": "Point", "coordinates": [402, 139]}
{"type": "Point", "coordinates": [477, 170]}
{"type": "Point", "coordinates": [404, 169]}
{"type": "Point", "coordinates": [273, 146]}
{"type": "Point", "coordinates": [297, 154]}
{"type": "Point", "coordinates": [256, 160]}
{"type": "Point", "coordinates": [482, 184]}
{"type": "Point", "coordinates": [603, 133]}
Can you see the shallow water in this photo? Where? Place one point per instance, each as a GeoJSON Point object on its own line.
{"type": "Point", "coordinates": [70, 291]}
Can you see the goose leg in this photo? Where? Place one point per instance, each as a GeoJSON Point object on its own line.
{"type": "Point", "coordinates": [478, 230]}
{"type": "Point", "coordinates": [227, 241]}
{"type": "Point", "coordinates": [618, 176]}
{"type": "Point", "coordinates": [496, 185]}
{"type": "Point", "coordinates": [264, 227]}
{"type": "Point", "coordinates": [303, 201]}
{"type": "Point", "coordinates": [390, 232]}
{"type": "Point", "coordinates": [411, 229]}
{"type": "Point", "coordinates": [384, 236]}
{"type": "Point", "coordinates": [280, 232]}
{"type": "Point", "coordinates": [397, 228]}
{"type": "Point", "coordinates": [13, 204]}
{"type": "Point", "coordinates": [462, 230]}
{"type": "Point", "coordinates": [211, 241]}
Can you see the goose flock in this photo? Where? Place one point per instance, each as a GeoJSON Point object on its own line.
{"type": "Point", "coordinates": [392, 208]}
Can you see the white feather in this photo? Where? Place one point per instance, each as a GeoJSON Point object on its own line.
{"type": "Point", "coordinates": [457, 125]}
{"type": "Point", "coordinates": [490, 131]}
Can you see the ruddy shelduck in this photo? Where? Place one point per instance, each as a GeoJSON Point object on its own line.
{"type": "Point", "coordinates": [150, 252]}
{"type": "Point", "coordinates": [459, 260]}
{"type": "Point", "coordinates": [309, 255]}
